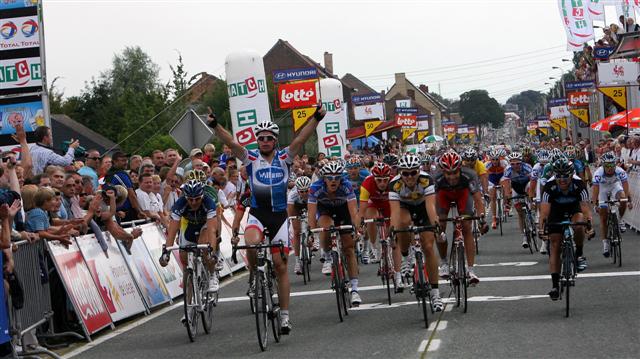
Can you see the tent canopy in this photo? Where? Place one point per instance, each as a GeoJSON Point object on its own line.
{"type": "Point", "coordinates": [359, 142]}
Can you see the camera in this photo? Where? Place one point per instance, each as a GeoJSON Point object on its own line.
{"type": "Point", "coordinates": [7, 196]}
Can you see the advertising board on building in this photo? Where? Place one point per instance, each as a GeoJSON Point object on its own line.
{"type": "Point", "coordinates": [299, 94]}
{"type": "Point", "coordinates": [618, 72]}
{"type": "Point", "coordinates": [295, 74]}
{"type": "Point", "coordinates": [370, 111]}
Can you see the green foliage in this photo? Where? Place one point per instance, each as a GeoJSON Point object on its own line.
{"type": "Point", "coordinates": [178, 84]}
{"type": "Point", "coordinates": [529, 102]}
{"type": "Point", "coordinates": [479, 109]}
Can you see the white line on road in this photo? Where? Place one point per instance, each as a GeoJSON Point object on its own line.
{"type": "Point", "coordinates": [508, 264]}
{"type": "Point", "coordinates": [423, 346]}
{"type": "Point", "coordinates": [435, 344]}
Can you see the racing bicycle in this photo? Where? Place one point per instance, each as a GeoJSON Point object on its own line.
{"type": "Point", "coordinates": [385, 269]}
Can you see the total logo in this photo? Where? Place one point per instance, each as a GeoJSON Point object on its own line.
{"type": "Point", "coordinates": [8, 30]}
{"type": "Point", "coordinates": [248, 88]}
{"type": "Point", "coordinates": [29, 28]}
{"type": "Point", "coordinates": [298, 95]}
{"type": "Point", "coordinates": [270, 176]}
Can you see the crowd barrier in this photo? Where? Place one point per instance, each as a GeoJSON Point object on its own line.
{"type": "Point", "coordinates": [632, 217]}
{"type": "Point", "coordinates": [104, 283]}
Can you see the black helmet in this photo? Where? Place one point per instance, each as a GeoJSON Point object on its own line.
{"type": "Point", "coordinates": [562, 167]}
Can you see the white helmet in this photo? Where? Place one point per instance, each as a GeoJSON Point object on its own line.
{"type": "Point", "coordinates": [409, 161]}
{"type": "Point", "coordinates": [267, 126]}
{"type": "Point", "coordinates": [332, 167]}
{"type": "Point", "coordinates": [303, 183]}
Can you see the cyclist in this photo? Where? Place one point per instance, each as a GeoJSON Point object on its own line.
{"type": "Point", "coordinates": [332, 201]}
{"type": "Point", "coordinates": [459, 185]}
{"type": "Point", "coordinates": [428, 165]}
{"type": "Point", "coordinates": [412, 200]}
{"type": "Point", "coordinates": [572, 154]}
{"type": "Point", "coordinates": [355, 174]}
{"type": "Point", "coordinates": [199, 210]}
{"type": "Point", "coordinates": [564, 197]}
{"type": "Point", "coordinates": [374, 202]}
{"type": "Point", "coordinates": [392, 160]}
{"type": "Point", "coordinates": [610, 181]}
{"type": "Point", "coordinates": [537, 183]}
{"type": "Point", "coordinates": [515, 181]}
{"type": "Point", "coordinates": [296, 204]}
{"type": "Point", "coordinates": [528, 156]}
{"type": "Point", "coordinates": [268, 172]}
{"type": "Point", "coordinates": [470, 160]}
{"type": "Point", "coordinates": [495, 168]}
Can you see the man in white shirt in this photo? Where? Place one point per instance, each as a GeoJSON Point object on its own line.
{"type": "Point", "coordinates": [228, 188]}
{"type": "Point", "coordinates": [148, 201]}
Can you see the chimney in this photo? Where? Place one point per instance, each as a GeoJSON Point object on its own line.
{"type": "Point", "coordinates": [328, 62]}
{"type": "Point", "coordinates": [400, 79]}
{"type": "Point", "coordinates": [424, 88]}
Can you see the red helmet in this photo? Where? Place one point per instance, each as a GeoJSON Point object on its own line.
{"type": "Point", "coordinates": [450, 161]}
{"type": "Point", "coordinates": [381, 169]}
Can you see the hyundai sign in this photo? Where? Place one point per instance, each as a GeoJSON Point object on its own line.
{"type": "Point", "coordinates": [295, 74]}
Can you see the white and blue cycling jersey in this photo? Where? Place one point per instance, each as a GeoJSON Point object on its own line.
{"type": "Point", "coordinates": [268, 181]}
{"type": "Point", "coordinates": [520, 179]}
{"type": "Point", "coordinates": [600, 178]}
{"type": "Point", "coordinates": [319, 194]}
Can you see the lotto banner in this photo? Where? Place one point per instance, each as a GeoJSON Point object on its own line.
{"type": "Point", "coordinates": [153, 238]}
{"type": "Point", "coordinates": [332, 129]}
{"type": "Point", "coordinates": [577, 23]}
{"type": "Point", "coordinates": [144, 272]}
{"type": "Point", "coordinates": [19, 33]}
{"type": "Point", "coordinates": [21, 73]}
{"type": "Point", "coordinates": [112, 277]}
{"type": "Point", "coordinates": [577, 99]}
{"type": "Point", "coordinates": [299, 94]}
{"type": "Point", "coordinates": [80, 287]}
{"type": "Point", "coordinates": [248, 99]}
{"type": "Point", "coordinates": [29, 114]}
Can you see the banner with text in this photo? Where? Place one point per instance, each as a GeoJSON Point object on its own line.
{"type": "Point", "coordinates": [332, 130]}
{"type": "Point", "coordinates": [577, 22]}
{"type": "Point", "coordinates": [618, 72]}
{"type": "Point", "coordinates": [295, 74]}
{"type": "Point", "coordinates": [19, 33]}
{"type": "Point", "coordinates": [298, 94]}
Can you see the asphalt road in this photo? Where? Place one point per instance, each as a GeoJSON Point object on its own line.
{"type": "Point", "coordinates": [510, 316]}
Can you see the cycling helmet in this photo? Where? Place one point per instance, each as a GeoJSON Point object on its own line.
{"type": "Point", "coordinates": [527, 151]}
{"type": "Point", "coordinates": [450, 161]}
{"type": "Point", "coordinates": [332, 168]}
{"type": "Point", "coordinates": [502, 152]}
{"type": "Point", "coordinates": [426, 159]}
{"type": "Point", "coordinates": [571, 152]}
{"type": "Point", "coordinates": [193, 188]}
{"type": "Point", "coordinates": [556, 151]}
{"type": "Point", "coordinates": [390, 159]}
{"type": "Point", "coordinates": [266, 126]}
{"type": "Point", "coordinates": [556, 156]}
{"type": "Point", "coordinates": [303, 183]}
{"type": "Point", "coordinates": [197, 175]}
{"type": "Point", "coordinates": [353, 162]}
{"type": "Point", "coordinates": [563, 168]}
{"type": "Point", "coordinates": [494, 155]}
{"type": "Point", "coordinates": [515, 156]}
{"type": "Point", "coordinates": [470, 154]}
{"type": "Point", "coordinates": [609, 157]}
{"type": "Point", "coordinates": [543, 157]}
{"type": "Point", "coordinates": [381, 169]}
{"type": "Point", "coordinates": [409, 161]}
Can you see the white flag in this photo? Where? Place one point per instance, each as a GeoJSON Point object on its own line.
{"type": "Point", "coordinates": [627, 8]}
{"type": "Point", "coordinates": [596, 10]}
{"type": "Point", "coordinates": [577, 23]}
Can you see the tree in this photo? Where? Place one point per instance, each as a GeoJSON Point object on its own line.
{"type": "Point", "coordinates": [479, 109]}
{"type": "Point", "coordinates": [529, 102]}
{"type": "Point", "coordinates": [178, 84]}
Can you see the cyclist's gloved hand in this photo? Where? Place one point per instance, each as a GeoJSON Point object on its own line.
{"type": "Point", "coordinates": [484, 227]}
{"type": "Point", "coordinates": [320, 112]}
{"type": "Point", "coordinates": [165, 257]}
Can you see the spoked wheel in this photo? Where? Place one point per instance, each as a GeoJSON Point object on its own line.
{"type": "Point", "coordinates": [209, 300]}
{"type": "Point", "coordinates": [385, 270]}
{"type": "Point", "coordinates": [568, 263]}
{"type": "Point", "coordinates": [534, 234]}
{"type": "Point", "coordinates": [304, 254]}
{"type": "Point", "coordinates": [500, 223]}
{"type": "Point", "coordinates": [476, 235]}
{"type": "Point", "coordinates": [262, 310]}
{"type": "Point", "coordinates": [530, 238]}
{"type": "Point", "coordinates": [251, 300]}
{"type": "Point", "coordinates": [337, 283]}
{"type": "Point", "coordinates": [421, 288]}
{"type": "Point", "coordinates": [190, 305]}
{"type": "Point", "coordinates": [346, 303]}
{"type": "Point", "coordinates": [274, 307]}
{"type": "Point", "coordinates": [462, 277]}
{"type": "Point", "coordinates": [617, 250]}
{"type": "Point", "coordinates": [454, 271]}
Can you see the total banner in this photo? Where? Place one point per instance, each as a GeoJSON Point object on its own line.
{"type": "Point", "coordinates": [332, 129]}
{"type": "Point", "coordinates": [144, 272]}
{"type": "Point", "coordinates": [21, 73]}
{"type": "Point", "coordinates": [618, 72]}
{"type": "Point", "coordinates": [80, 287]}
{"type": "Point", "coordinates": [373, 111]}
{"type": "Point", "coordinates": [19, 33]}
{"type": "Point", "coordinates": [29, 114]}
{"type": "Point", "coordinates": [111, 277]}
{"type": "Point", "coordinates": [299, 94]}
{"type": "Point", "coordinates": [577, 22]}
{"type": "Point", "coordinates": [171, 275]}
{"type": "Point", "coordinates": [248, 98]}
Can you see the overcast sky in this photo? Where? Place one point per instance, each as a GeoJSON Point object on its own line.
{"type": "Point", "coordinates": [426, 39]}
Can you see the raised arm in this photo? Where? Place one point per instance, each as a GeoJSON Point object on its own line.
{"type": "Point", "coordinates": [225, 136]}
{"type": "Point", "coordinates": [25, 155]}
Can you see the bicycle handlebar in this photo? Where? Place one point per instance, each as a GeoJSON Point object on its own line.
{"type": "Point", "coordinates": [376, 220]}
{"type": "Point", "coordinates": [333, 228]}
{"type": "Point", "coordinates": [614, 201]}
{"type": "Point", "coordinates": [188, 248]}
{"type": "Point", "coordinates": [257, 246]}
{"type": "Point", "coordinates": [567, 223]}
{"type": "Point", "coordinates": [462, 218]}
{"type": "Point", "coordinates": [520, 196]}
{"type": "Point", "coordinates": [414, 229]}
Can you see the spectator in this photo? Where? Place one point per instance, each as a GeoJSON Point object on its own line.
{"type": "Point", "coordinates": [195, 154]}
{"type": "Point", "coordinates": [148, 202]}
{"type": "Point", "coordinates": [147, 167]}
{"type": "Point", "coordinates": [228, 188]}
{"type": "Point", "coordinates": [38, 219]}
{"type": "Point", "coordinates": [42, 154]}
{"type": "Point", "coordinates": [25, 153]}
{"type": "Point", "coordinates": [171, 155]}
{"type": "Point", "coordinates": [631, 26]}
{"type": "Point", "coordinates": [170, 187]}
{"type": "Point", "coordinates": [91, 166]}
{"type": "Point", "coordinates": [226, 153]}
{"type": "Point", "coordinates": [135, 162]}
{"type": "Point", "coordinates": [157, 157]}
{"type": "Point", "coordinates": [118, 176]}
{"type": "Point", "coordinates": [105, 166]}
{"type": "Point", "coordinates": [209, 153]}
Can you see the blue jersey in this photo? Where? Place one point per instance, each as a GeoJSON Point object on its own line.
{"type": "Point", "coordinates": [520, 179]}
{"type": "Point", "coordinates": [496, 172]}
{"type": "Point", "coordinates": [318, 194]}
{"type": "Point", "coordinates": [194, 217]}
{"type": "Point", "coordinates": [268, 181]}
{"type": "Point", "coordinates": [356, 183]}
{"type": "Point", "coordinates": [578, 166]}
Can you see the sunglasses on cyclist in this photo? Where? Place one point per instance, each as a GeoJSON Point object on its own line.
{"type": "Point", "coordinates": [609, 165]}
{"type": "Point", "coordinates": [303, 191]}
{"type": "Point", "coordinates": [409, 173]}
{"type": "Point", "coordinates": [194, 199]}
{"type": "Point", "coordinates": [450, 173]}
{"type": "Point", "coordinates": [381, 179]}
{"type": "Point", "coordinates": [266, 138]}
{"type": "Point", "coordinates": [333, 177]}
{"type": "Point", "coordinates": [563, 177]}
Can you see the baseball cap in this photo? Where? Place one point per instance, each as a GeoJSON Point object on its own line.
{"type": "Point", "coordinates": [195, 152]}
{"type": "Point", "coordinates": [180, 172]}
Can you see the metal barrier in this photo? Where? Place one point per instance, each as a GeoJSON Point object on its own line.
{"type": "Point", "coordinates": [632, 217]}
{"type": "Point", "coordinates": [32, 271]}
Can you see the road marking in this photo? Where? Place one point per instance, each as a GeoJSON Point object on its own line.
{"type": "Point", "coordinates": [423, 346]}
{"type": "Point", "coordinates": [508, 264]}
{"type": "Point", "coordinates": [435, 345]}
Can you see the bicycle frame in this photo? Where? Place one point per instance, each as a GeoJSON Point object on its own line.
{"type": "Point", "coordinates": [614, 235]}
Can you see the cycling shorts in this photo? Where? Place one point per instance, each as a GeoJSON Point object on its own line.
{"type": "Point", "coordinates": [339, 214]}
{"type": "Point", "coordinates": [192, 232]}
{"type": "Point", "coordinates": [461, 197]}
{"type": "Point", "coordinates": [418, 212]}
{"type": "Point", "coordinates": [382, 207]}
{"type": "Point", "coordinates": [559, 217]}
{"type": "Point", "coordinates": [274, 222]}
{"type": "Point", "coordinates": [609, 191]}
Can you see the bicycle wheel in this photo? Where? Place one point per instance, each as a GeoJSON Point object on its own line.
{"type": "Point", "coordinates": [262, 313]}
{"type": "Point", "coordinates": [273, 306]}
{"type": "Point", "coordinates": [208, 302]}
{"type": "Point", "coordinates": [462, 275]}
{"type": "Point", "coordinates": [251, 301]}
{"type": "Point", "coordinates": [385, 270]}
{"type": "Point", "coordinates": [421, 287]}
{"type": "Point", "coordinates": [338, 282]}
{"type": "Point", "coordinates": [454, 280]}
{"type": "Point", "coordinates": [476, 235]}
{"type": "Point", "coordinates": [534, 233]}
{"type": "Point", "coordinates": [568, 263]}
{"type": "Point", "coordinates": [304, 258]}
{"type": "Point", "coordinates": [614, 238]}
{"type": "Point", "coordinates": [346, 303]}
{"type": "Point", "coordinates": [189, 304]}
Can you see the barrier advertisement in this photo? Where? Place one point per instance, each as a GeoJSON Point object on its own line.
{"type": "Point", "coordinates": [145, 274]}
{"type": "Point", "coordinates": [112, 278]}
{"type": "Point", "coordinates": [4, 318]}
{"type": "Point", "coordinates": [171, 275]}
{"type": "Point", "coordinates": [80, 286]}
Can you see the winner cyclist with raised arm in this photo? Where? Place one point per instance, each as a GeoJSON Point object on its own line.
{"type": "Point", "coordinates": [268, 173]}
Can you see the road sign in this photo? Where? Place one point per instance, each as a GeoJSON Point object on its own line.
{"type": "Point", "coordinates": [191, 131]}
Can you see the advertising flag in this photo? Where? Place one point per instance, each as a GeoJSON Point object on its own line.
{"type": "Point", "coordinates": [370, 126]}
{"type": "Point", "coordinates": [618, 72]}
{"type": "Point", "coordinates": [577, 23]}
{"type": "Point", "coordinates": [301, 116]}
{"type": "Point", "coordinates": [617, 94]}
{"type": "Point", "coordinates": [596, 9]}
{"type": "Point", "coordinates": [332, 130]}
